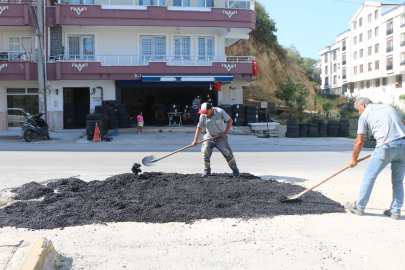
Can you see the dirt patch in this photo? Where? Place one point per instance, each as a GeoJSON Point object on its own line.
{"type": "Point", "coordinates": [160, 198]}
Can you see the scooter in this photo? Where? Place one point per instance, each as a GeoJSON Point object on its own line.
{"type": "Point", "coordinates": [34, 127]}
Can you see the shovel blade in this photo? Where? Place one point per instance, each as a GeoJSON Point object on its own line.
{"type": "Point", "coordinates": [291, 198]}
{"type": "Point", "coordinates": [149, 161]}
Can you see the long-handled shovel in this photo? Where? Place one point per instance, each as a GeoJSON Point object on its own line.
{"type": "Point", "coordinates": [294, 197]}
{"type": "Point", "coordinates": [151, 161]}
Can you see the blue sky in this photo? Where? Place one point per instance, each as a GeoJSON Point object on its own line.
{"type": "Point", "coordinates": [310, 25]}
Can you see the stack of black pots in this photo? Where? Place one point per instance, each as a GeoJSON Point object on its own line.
{"type": "Point", "coordinates": [239, 115]}
{"type": "Point", "coordinates": [102, 123]}
{"type": "Point", "coordinates": [303, 127]}
{"type": "Point", "coordinates": [252, 115]}
{"type": "Point", "coordinates": [228, 109]}
{"type": "Point", "coordinates": [333, 128]}
{"type": "Point", "coordinates": [292, 129]}
{"type": "Point", "coordinates": [344, 125]}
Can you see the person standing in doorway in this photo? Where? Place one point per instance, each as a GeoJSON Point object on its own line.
{"type": "Point", "coordinates": [139, 118]}
{"type": "Point", "coordinates": [213, 120]}
{"type": "Point", "coordinates": [194, 109]}
{"type": "Point", "coordinates": [388, 128]}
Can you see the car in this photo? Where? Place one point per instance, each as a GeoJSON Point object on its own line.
{"type": "Point", "coordinates": [16, 114]}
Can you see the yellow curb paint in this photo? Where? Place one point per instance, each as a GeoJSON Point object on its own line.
{"type": "Point", "coordinates": [35, 258]}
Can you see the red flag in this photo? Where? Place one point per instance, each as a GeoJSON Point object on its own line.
{"type": "Point", "coordinates": [217, 86]}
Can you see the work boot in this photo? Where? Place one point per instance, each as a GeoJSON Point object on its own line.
{"type": "Point", "coordinates": [351, 207]}
{"type": "Point", "coordinates": [206, 174]}
{"type": "Point", "coordinates": [387, 212]}
{"type": "Point", "coordinates": [236, 174]}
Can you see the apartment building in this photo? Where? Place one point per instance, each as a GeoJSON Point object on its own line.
{"type": "Point", "coordinates": [141, 52]}
{"type": "Point", "coordinates": [331, 69]}
{"type": "Point", "coordinates": [373, 61]}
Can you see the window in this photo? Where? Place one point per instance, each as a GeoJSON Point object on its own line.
{"type": "Point", "coordinates": [355, 56]}
{"type": "Point", "coordinates": [369, 17]}
{"type": "Point", "coordinates": [326, 70]}
{"type": "Point", "coordinates": [344, 58]}
{"type": "Point", "coordinates": [207, 3]}
{"type": "Point", "coordinates": [334, 68]}
{"type": "Point", "coordinates": [361, 22]}
{"type": "Point", "coordinates": [370, 66]}
{"type": "Point", "coordinates": [326, 58]}
{"type": "Point", "coordinates": [377, 65]}
{"type": "Point", "coordinates": [377, 31]}
{"type": "Point", "coordinates": [402, 21]}
{"type": "Point", "coordinates": [377, 82]}
{"type": "Point", "coordinates": [389, 63]}
{"type": "Point", "coordinates": [368, 84]}
{"type": "Point", "coordinates": [398, 81]}
{"type": "Point", "coordinates": [361, 69]}
{"type": "Point", "coordinates": [361, 53]}
{"type": "Point", "coordinates": [335, 79]}
{"type": "Point", "coordinates": [377, 47]}
{"type": "Point", "coordinates": [354, 25]}
{"type": "Point", "coordinates": [153, 48]}
{"type": "Point", "coordinates": [361, 37]}
{"type": "Point", "coordinates": [369, 34]}
{"type": "Point", "coordinates": [355, 40]}
{"type": "Point", "coordinates": [390, 29]}
{"type": "Point", "coordinates": [355, 70]}
{"type": "Point", "coordinates": [334, 55]}
{"type": "Point", "coordinates": [21, 101]}
{"type": "Point", "coordinates": [362, 85]}
{"type": "Point", "coordinates": [390, 46]}
{"type": "Point", "coordinates": [344, 73]}
{"type": "Point", "coordinates": [17, 45]}
{"type": "Point", "coordinates": [402, 39]}
{"type": "Point", "coordinates": [326, 81]}
{"type": "Point", "coordinates": [152, 2]}
{"type": "Point", "coordinates": [376, 14]}
{"type": "Point", "coordinates": [206, 48]}
{"type": "Point", "coordinates": [182, 48]}
{"type": "Point", "coordinates": [81, 47]}
{"type": "Point", "coordinates": [181, 3]}
{"type": "Point", "coordinates": [385, 81]}
{"type": "Point", "coordinates": [369, 49]}
{"type": "Point", "coordinates": [344, 44]}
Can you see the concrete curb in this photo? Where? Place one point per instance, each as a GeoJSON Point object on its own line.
{"type": "Point", "coordinates": [36, 256]}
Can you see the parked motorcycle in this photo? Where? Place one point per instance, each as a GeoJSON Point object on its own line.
{"type": "Point", "coordinates": [34, 127]}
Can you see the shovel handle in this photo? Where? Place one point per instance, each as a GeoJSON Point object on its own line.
{"type": "Point", "coordinates": [184, 148]}
{"type": "Point", "coordinates": [330, 177]}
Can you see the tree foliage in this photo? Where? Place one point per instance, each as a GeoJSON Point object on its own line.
{"type": "Point", "coordinates": [291, 92]}
{"type": "Point", "coordinates": [265, 27]}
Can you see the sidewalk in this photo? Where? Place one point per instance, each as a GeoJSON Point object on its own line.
{"type": "Point", "coordinates": [63, 134]}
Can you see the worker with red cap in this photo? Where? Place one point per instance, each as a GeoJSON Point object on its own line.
{"type": "Point", "coordinates": [213, 120]}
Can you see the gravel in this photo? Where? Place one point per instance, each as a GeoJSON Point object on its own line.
{"type": "Point", "coordinates": [158, 197]}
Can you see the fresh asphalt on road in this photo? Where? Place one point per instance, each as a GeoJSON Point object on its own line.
{"type": "Point", "coordinates": [329, 241]}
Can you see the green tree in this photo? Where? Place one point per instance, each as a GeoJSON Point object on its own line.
{"type": "Point", "coordinates": [265, 27]}
{"type": "Point", "coordinates": [326, 108]}
{"type": "Point", "coordinates": [301, 94]}
{"type": "Point", "coordinates": [286, 92]}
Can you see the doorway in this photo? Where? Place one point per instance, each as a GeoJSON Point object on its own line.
{"type": "Point", "coordinates": [76, 106]}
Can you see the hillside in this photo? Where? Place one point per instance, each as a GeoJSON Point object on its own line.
{"type": "Point", "coordinates": [272, 69]}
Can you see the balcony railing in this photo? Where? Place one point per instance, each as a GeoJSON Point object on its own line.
{"type": "Point", "coordinates": [344, 77]}
{"type": "Point", "coordinates": [390, 31]}
{"type": "Point", "coordinates": [389, 67]}
{"type": "Point", "coordinates": [144, 60]}
{"type": "Point", "coordinates": [402, 63]}
{"type": "Point", "coordinates": [344, 48]}
{"type": "Point", "coordinates": [17, 1]}
{"type": "Point", "coordinates": [390, 49]}
{"type": "Point", "coordinates": [17, 56]}
{"type": "Point", "coordinates": [402, 43]}
{"type": "Point", "coordinates": [240, 4]}
{"type": "Point", "coordinates": [344, 62]}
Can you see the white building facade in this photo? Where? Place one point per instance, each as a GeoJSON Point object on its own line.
{"type": "Point", "coordinates": [373, 53]}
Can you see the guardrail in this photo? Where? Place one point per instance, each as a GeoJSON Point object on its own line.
{"type": "Point", "coordinates": [389, 67]}
{"type": "Point", "coordinates": [17, 56]}
{"type": "Point", "coordinates": [239, 4]}
{"type": "Point", "coordinates": [390, 49]}
{"type": "Point", "coordinates": [344, 77]}
{"type": "Point", "coordinates": [344, 62]}
{"type": "Point", "coordinates": [390, 31]}
{"type": "Point", "coordinates": [402, 63]}
{"type": "Point", "coordinates": [143, 60]}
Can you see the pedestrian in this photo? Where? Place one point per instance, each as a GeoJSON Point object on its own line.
{"type": "Point", "coordinates": [387, 127]}
{"type": "Point", "coordinates": [212, 119]}
{"type": "Point", "coordinates": [194, 109]}
{"type": "Point", "coordinates": [139, 118]}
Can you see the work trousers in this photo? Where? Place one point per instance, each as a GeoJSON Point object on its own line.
{"type": "Point", "coordinates": [195, 116]}
{"type": "Point", "coordinates": [394, 153]}
{"type": "Point", "coordinates": [222, 145]}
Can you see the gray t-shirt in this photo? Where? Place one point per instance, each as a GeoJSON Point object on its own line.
{"type": "Point", "coordinates": [383, 122]}
{"type": "Point", "coordinates": [214, 125]}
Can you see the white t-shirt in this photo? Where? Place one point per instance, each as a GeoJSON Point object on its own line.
{"type": "Point", "coordinates": [383, 122]}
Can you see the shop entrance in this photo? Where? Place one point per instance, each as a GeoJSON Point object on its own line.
{"type": "Point", "coordinates": [76, 105]}
{"type": "Point", "coordinates": [21, 102]}
{"type": "Point", "coordinates": [156, 101]}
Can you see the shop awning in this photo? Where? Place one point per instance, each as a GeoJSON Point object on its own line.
{"type": "Point", "coordinates": [187, 78]}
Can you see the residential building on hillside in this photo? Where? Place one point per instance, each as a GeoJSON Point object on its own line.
{"type": "Point", "coordinates": [331, 75]}
{"type": "Point", "coordinates": [373, 54]}
{"type": "Point", "coordinates": [143, 53]}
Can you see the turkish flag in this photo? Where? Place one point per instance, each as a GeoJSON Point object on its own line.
{"type": "Point", "coordinates": [217, 86]}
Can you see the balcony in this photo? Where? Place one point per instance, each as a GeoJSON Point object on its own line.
{"type": "Point", "coordinates": [130, 67]}
{"type": "Point", "coordinates": [17, 56]}
{"type": "Point", "coordinates": [18, 71]}
{"type": "Point", "coordinates": [344, 62]}
{"type": "Point", "coordinates": [390, 49]}
{"type": "Point", "coordinates": [15, 13]}
{"type": "Point", "coordinates": [218, 13]}
{"type": "Point", "coordinates": [389, 67]}
{"type": "Point", "coordinates": [390, 31]}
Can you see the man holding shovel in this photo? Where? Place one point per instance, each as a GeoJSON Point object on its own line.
{"type": "Point", "coordinates": [387, 127]}
{"type": "Point", "coordinates": [213, 120]}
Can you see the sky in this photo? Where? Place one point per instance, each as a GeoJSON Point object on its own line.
{"type": "Point", "coordinates": [311, 25]}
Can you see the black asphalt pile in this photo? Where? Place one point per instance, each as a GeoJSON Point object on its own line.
{"type": "Point", "coordinates": [160, 198]}
{"type": "Point", "coordinates": [31, 190]}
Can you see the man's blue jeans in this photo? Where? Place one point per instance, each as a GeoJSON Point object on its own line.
{"type": "Point", "coordinates": [394, 153]}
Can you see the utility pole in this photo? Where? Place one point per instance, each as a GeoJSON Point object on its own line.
{"type": "Point", "coordinates": [40, 56]}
